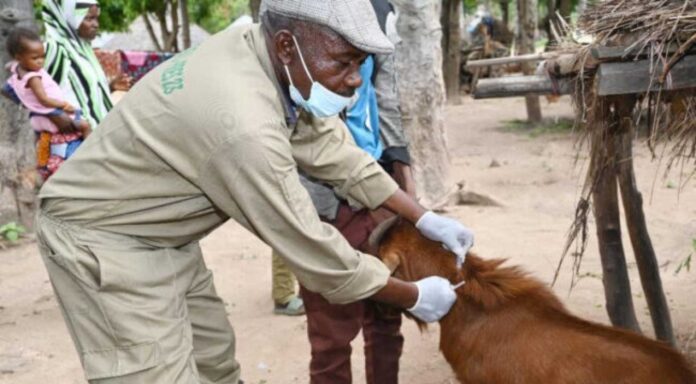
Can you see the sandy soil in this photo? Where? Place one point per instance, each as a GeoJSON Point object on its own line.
{"type": "Point", "coordinates": [538, 183]}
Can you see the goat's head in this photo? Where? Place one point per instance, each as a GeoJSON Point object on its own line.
{"type": "Point", "coordinates": [410, 256]}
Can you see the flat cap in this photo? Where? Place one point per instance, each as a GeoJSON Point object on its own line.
{"type": "Point", "coordinates": [354, 20]}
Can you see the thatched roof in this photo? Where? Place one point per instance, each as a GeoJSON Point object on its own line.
{"type": "Point", "coordinates": [654, 25]}
{"type": "Point", "coordinates": [661, 31]}
{"type": "Point", "coordinates": [138, 39]}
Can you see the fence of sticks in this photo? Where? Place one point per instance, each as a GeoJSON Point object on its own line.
{"type": "Point", "coordinates": [640, 70]}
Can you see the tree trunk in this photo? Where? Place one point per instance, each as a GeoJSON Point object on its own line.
{"type": "Point", "coordinates": [151, 32]}
{"type": "Point", "coordinates": [526, 28]}
{"type": "Point", "coordinates": [551, 21]}
{"type": "Point", "coordinates": [185, 24]}
{"type": "Point", "coordinates": [637, 228]}
{"type": "Point", "coordinates": [18, 177]}
{"type": "Point", "coordinates": [173, 41]}
{"type": "Point", "coordinates": [164, 31]}
{"type": "Point", "coordinates": [255, 5]}
{"type": "Point", "coordinates": [565, 8]}
{"type": "Point", "coordinates": [421, 87]}
{"type": "Point", "coordinates": [505, 9]}
{"type": "Point", "coordinates": [451, 48]}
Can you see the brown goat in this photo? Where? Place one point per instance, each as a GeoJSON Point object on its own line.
{"type": "Point", "coordinates": [509, 328]}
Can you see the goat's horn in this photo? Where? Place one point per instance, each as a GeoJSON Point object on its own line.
{"type": "Point", "coordinates": [378, 233]}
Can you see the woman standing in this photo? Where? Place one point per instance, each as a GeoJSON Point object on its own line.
{"type": "Point", "coordinates": [71, 25]}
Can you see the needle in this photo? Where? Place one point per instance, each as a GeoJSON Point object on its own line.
{"type": "Point", "coordinates": [455, 286]}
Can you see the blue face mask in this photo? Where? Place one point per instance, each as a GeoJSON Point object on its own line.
{"type": "Point", "coordinates": [322, 102]}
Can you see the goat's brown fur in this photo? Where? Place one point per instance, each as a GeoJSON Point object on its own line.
{"type": "Point", "coordinates": [507, 327]}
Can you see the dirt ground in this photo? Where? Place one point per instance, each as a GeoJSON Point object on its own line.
{"type": "Point", "coordinates": [538, 182]}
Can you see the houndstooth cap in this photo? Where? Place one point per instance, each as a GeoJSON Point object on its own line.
{"type": "Point", "coordinates": [355, 20]}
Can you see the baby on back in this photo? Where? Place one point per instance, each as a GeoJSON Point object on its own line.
{"type": "Point", "coordinates": [31, 86]}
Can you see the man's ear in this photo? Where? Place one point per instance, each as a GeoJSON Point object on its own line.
{"type": "Point", "coordinates": [284, 46]}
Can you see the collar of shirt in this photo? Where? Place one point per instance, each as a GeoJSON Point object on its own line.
{"type": "Point", "coordinates": [259, 44]}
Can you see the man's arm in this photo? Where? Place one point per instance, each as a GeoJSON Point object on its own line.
{"type": "Point", "coordinates": [325, 150]}
{"type": "Point", "coordinates": [254, 180]}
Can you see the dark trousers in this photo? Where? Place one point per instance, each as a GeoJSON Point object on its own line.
{"type": "Point", "coordinates": [331, 327]}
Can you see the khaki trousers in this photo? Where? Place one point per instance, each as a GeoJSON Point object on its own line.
{"type": "Point", "coordinates": [283, 281]}
{"type": "Point", "coordinates": [136, 313]}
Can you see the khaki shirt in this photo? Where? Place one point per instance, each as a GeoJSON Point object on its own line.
{"type": "Point", "coordinates": [205, 137]}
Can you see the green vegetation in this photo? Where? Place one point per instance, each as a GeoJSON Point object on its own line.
{"type": "Point", "coordinates": [686, 263]}
{"type": "Point", "coordinates": [212, 15]}
{"type": "Point", "coordinates": [546, 127]}
{"type": "Point", "coordinates": [216, 15]}
{"type": "Point", "coordinates": [11, 232]}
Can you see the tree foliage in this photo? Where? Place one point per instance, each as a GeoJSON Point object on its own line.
{"type": "Point", "coordinates": [212, 15]}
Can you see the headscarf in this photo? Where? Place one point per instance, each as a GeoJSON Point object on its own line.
{"type": "Point", "coordinates": [71, 60]}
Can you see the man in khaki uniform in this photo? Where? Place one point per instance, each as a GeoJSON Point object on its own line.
{"type": "Point", "coordinates": [219, 132]}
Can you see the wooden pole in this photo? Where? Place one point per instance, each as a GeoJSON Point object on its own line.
{"type": "Point", "coordinates": [516, 86]}
{"type": "Point", "coordinates": [637, 229]}
{"type": "Point", "coordinates": [511, 59]}
{"type": "Point", "coordinates": [617, 287]}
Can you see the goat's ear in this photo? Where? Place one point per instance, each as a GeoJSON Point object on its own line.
{"type": "Point", "coordinates": [391, 260]}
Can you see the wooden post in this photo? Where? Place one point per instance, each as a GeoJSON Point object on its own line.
{"type": "Point", "coordinates": [617, 287]}
{"type": "Point", "coordinates": [637, 228]}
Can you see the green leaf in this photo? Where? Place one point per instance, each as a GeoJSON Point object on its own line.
{"type": "Point", "coordinates": [685, 264]}
{"type": "Point", "coordinates": [12, 231]}
{"type": "Point", "coordinates": [12, 236]}
{"type": "Point", "coordinates": [11, 226]}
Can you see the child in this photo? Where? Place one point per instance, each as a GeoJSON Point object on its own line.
{"type": "Point", "coordinates": [30, 85]}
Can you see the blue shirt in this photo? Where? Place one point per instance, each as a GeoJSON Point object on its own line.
{"type": "Point", "coordinates": [362, 118]}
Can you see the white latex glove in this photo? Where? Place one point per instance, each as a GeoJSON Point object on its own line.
{"type": "Point", "coordinates": [451, 233]}
{"type": "Point", "coordinates": [435, 298]}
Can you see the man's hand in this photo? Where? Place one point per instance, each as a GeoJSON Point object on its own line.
{"type": "Point", "coordinates": [451, 233]}
{"type": "Point", "coordinates": [435, 298]}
